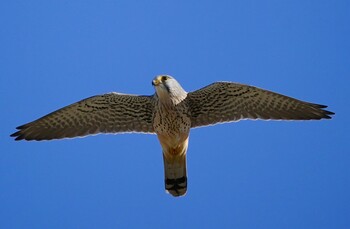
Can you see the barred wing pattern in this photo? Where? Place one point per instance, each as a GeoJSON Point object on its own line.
{"type": "Point", "coordinates": [108, 113]}
{"type": "Point", "coordinates": [227, 102]}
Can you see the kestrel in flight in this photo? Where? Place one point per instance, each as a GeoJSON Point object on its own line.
{"type": "Point", "coordinates": [170, 113]}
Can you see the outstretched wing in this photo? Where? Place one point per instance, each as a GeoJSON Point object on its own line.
{"type": "Point", "coordinates": [108, 113]}
{"type": "Point", "coordinates": [227, 102]}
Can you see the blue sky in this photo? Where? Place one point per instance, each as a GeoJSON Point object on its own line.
{"type": "Point", "coordinates": [250, 174]}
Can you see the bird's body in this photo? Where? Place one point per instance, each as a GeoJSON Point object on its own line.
{"type": "Point", "coordinates": [170, 113]}
{"type": "Point", "coordinates": [172, 124]}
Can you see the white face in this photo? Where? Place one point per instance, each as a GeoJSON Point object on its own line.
{"type": "Point", "coordinates": [168, 88]}
{"type": "Point", "coordinates": [162, 85]}
{"type": "Point", "coordinates": [158, 80]}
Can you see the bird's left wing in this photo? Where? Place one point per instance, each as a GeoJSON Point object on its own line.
{"type": "Point", "coordinates": [108, 113]}
{"type": "Point", "coordinates": [227, 102]}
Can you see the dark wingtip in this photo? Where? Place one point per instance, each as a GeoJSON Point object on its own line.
{"type": "Point", "coordinates": [321, 106]}
{"type": "Point", "coordinates": [326, 114]}
{"type": "Point", "coordinates": [17, 135]}
{"type": "Point", "coordinates": [21, 127]}
{"type": "Point", "coordinates": [14, 134]}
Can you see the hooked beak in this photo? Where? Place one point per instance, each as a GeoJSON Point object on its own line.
{"type": "Point", "coordinates": [156, 81]}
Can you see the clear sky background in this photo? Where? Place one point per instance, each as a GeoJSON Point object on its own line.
{"type": "Point", "coordinates": [250, 174]}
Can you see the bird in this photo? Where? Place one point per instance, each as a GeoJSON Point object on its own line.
{"type": "Point", "coordinates": [170, 113]}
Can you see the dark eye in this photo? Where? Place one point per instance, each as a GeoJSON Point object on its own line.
{"type": "Point", "coordinates": [164, 78]}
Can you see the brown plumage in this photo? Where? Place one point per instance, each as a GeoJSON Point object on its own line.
{"type": "Point", "coordinates": [170, 113]}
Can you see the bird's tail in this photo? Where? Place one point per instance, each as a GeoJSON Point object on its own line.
{"type": "Point", "coordinates": [175, 174]}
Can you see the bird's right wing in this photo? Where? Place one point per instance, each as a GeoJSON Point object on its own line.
{"type": "Point", "coordinates": [108, 113]}
{"type": "Point", "coordinates": [227, 102]}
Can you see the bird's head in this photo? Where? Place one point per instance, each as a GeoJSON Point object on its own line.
{"type": "Point", "coordinates": [167, 88]}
